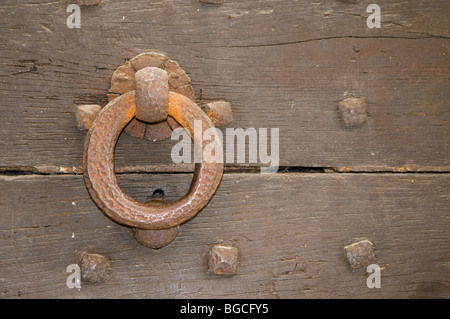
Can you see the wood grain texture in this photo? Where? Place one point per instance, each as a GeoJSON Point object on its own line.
{"type": "Point", "coordinates": [282, 64]}
{"type": "Point", "coordinates": [290, 234]}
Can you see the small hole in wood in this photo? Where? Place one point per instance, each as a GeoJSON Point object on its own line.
{"type": "Point", "coordinates": [158, 193]}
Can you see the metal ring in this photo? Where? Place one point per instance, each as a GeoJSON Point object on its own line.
{"type": "Point", "coordinates": [101, 181]}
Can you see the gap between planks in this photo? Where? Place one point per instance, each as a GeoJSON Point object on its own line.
{"type": "Point", "coordinates": [189, 168]}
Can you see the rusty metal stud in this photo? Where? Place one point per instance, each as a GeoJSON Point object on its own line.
{"type": "Point", "coordinates": [94, 267]}
{"type": "Point", "coordinates": [86, 114]}
{"type": "Point", "coordinates": [152, 94]}
{"type": "Point", "coordinates": [219, 112]}
{"type": "Point", "coordinates": [101, 182]}
{"type": "Point", "coordinates": [223, 260]}
{"type": "Point", "coordinates": [352, 112]}
{"type": "Point", "coordinates": [360, 254]}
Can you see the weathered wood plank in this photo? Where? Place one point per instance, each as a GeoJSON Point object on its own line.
{"type": "Point", "coordinates": [290, 232]}
{"type": "Point", "coordinates": [282, 64]}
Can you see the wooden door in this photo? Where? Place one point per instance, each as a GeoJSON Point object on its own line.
{"type": "Point", "coordinates": [281, 64]}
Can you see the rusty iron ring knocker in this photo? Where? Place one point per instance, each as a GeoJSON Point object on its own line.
{"type": "Point", "coordinates": [151, 101]}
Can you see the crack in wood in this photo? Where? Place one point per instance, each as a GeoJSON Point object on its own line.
{"type": "Point", "coordinates": [428, 36]}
